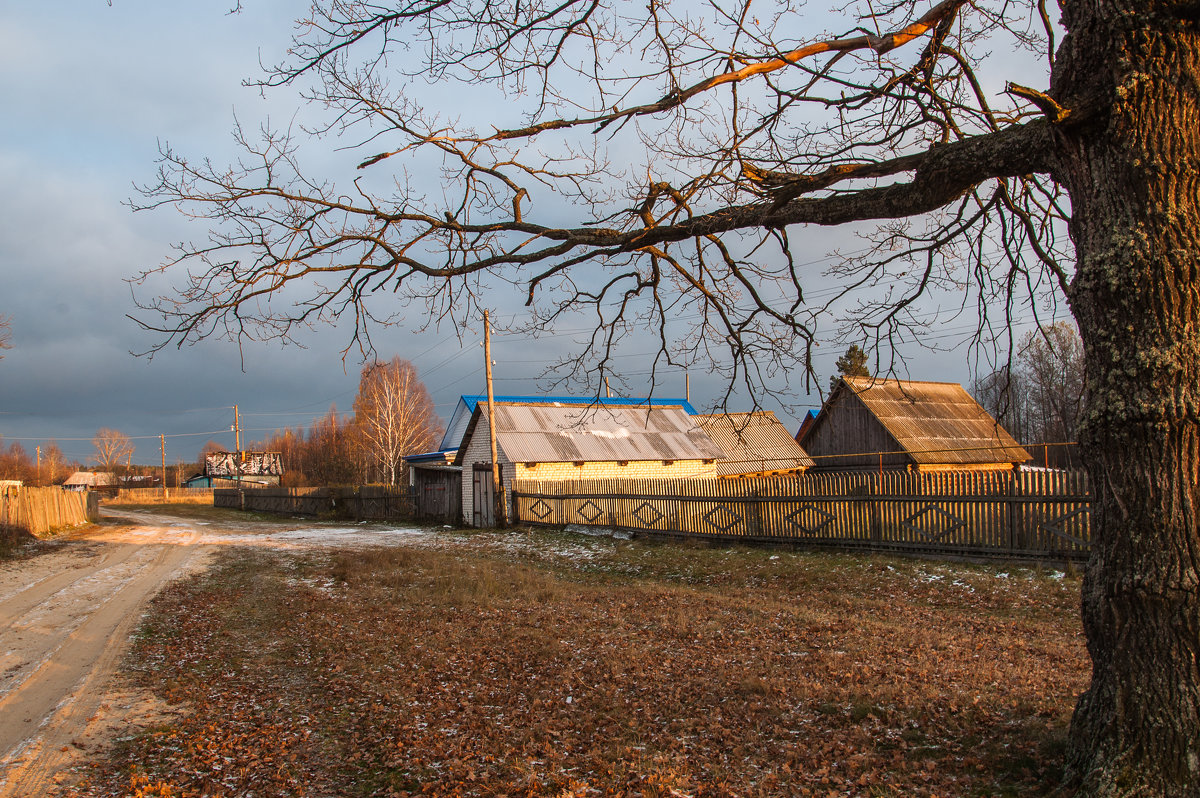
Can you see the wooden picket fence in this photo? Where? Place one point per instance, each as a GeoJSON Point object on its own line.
{"type": "Point", "coordinates": [36, 511]}
{"type": "Point", "coordinates": [998, 513]}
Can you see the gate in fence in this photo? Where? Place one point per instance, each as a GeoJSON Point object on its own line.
{"type": "Point", "coordinates": [997, 513]}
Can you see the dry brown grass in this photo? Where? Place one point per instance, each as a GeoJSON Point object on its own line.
{"type": "Point", "coordinates": [479, 667]}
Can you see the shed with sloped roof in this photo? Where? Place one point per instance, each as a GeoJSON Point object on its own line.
{"type": "Point", "coordinates": [755, 444]}
{"type": "Point", "coordinates": [554, 441]}
{"type": "Point", "coordinates": [89, 480]}
{"type": "Point", "coordinates": [872, 423]}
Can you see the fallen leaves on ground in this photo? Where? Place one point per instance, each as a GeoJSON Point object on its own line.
{"type": "Point", "coordinates": [480, 667]}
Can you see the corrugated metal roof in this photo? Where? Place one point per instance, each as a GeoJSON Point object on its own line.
{"type": "Point", "coordinates": [547, 433]}
{"type": "Point", "coordinates": [753, 442]}
{"type": "Point", "coordinates": [937, 422]}
{"type": "Point", "coordinates": [461, 417]}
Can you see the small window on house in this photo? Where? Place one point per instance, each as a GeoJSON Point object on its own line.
{"type": "Point", "coordinates": [622, 462]}
{"type": "Point", "coordinates": [668, 462]}
{"type": "Point", "coordinates": [578, 464]}
{"type": "Point", "coordinates": [531, 465]}
{"type": "Point", "coordinates": [709, 461]}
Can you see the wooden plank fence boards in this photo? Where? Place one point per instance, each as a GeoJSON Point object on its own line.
{"type": "Point", "coordinates": [159, 496]}
{"type": "Point", "coordinates": [1027, 514]}
{"type": "Point", "coordinates": [36, 511]}
{"type": "Point", "coordinates": [368, 502]}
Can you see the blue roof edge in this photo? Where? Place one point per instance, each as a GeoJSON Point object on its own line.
{"type": "Point", "coordinates": [474, 399]}
{"type": "Point", "coordinates": [440, 454]}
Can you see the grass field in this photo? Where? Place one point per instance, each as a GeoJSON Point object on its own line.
{"type": "Point", "coordinates": [559, 665]}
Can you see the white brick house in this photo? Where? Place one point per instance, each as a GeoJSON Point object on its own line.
{"type": "Point", "coordinates": [549, 441]}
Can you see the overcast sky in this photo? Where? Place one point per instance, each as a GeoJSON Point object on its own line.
{"type": "Point", "coordinates": [88, 91]}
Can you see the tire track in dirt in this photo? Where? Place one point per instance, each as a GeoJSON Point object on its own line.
{"type": "Point", "coordinates": [19, 597]}
{"type": "Point", "coordinates": [64, 635]}
{"type": "Point", "coordinates": [29, 640]}
{"type": "Point", "coordinates": [66, 618]}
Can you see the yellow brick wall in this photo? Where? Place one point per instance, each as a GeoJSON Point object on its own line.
{"type": "Point", "coordinates": [479, 451]}
{"type": "Point", "coordinates": [679, 469]}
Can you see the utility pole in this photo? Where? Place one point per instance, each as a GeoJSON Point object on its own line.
{"type": "Point", "coordinates": [501, 509]}
{"type": "Point", "coordinates": [687, 387]}
{"type": "Point", "coordinates": [162, 447]}
{"type": "Point", "coordinates": [237, 444]}
{"type": "Point", "coordinates": [39, 465]}
{"type": "Point", "coordinates": [607, 390]}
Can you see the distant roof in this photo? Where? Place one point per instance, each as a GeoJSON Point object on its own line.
{"type": "Point", "coordinates": [810, 418]}
{"type": "Point", "coordinates": [90, 479]}
{"type": "Point", "coordinates": [244, 463]}
{"type": "Point", "coordinates": [440, 456]}
{"type": "Point", "coordinates": [753, 443]}
{"type": "Point", "coordinates": [456, 427]}
{"type": "Point", "coordinates": [934, 422]}
{"type": "Point", "coordinates": [561, 433]}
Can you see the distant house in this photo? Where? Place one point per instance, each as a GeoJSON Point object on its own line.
{"type": "Point", "coordinates": [437, 481]}
{"type": "Point", "coordinates": [264, 468]}
{"type": "Point", "coordinates": [141, 481]}
{"type": "Point", "coordinates": [871, 423]}
{"type": "Point", "coordinates": [89, 480]}
{"type": "Point", "coordinates": [197, 481]}
{"type": "Point", "coordinates": [557, 441]}
{"type": "Point", "coordinates": [755, 444]}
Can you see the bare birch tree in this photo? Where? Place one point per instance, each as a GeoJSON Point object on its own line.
{"type": "Point", "coordinates": [1040, 398]}
{"type": "Point", "coordinates": [1051, 362]}
{"type": "Point", "coordinates": [650, 167]}
{"type": "Point", "coordinates": [1002, 393]}
{"type": "Point", "coordinates": [394, 415]}
{"type": "Point", "coordinates": [53, 461]}
{"type": "Point", "coordinates": [112, 448]}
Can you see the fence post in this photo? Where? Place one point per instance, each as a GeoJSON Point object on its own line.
{"type": "Point", "coordinates": [874, 489]}
{"type": "Point", "coordinates": [1015, 512]}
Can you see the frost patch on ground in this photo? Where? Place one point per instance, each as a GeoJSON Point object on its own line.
{"type": "Point", "coordinates": [336, 536]}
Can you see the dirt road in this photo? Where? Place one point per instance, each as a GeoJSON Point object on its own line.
{"type": "Point", "coordinates": [66, 618]}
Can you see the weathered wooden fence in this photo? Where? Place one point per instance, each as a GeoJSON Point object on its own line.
{"type": "Point", "coordinates": [368, 502]}
{"type": "Point", "coordinates": [157, 496]}
{"type": "Point", "coordinates": [1026, 514]}
{"type": "Point", "coordinates": [36, 511]}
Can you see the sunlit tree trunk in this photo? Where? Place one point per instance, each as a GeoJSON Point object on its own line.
{"type": "Point", "coordinates": [1134, 180]}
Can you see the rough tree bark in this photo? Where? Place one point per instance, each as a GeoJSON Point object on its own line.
{"type": "Point", "coordinates": [1134, 180]}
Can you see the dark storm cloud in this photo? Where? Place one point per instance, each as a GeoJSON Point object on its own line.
{"type": "Point", "coordinates": [89, 91]}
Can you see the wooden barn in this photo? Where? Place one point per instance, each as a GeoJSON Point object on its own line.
{"type": "Point", "coordinates": [437, 486]}
{"type": "Point", "coordinates": [871, 423]}
{"type": "Point", "coordinates": [552, 441]}
{"type": "Point", "coordinates": [755, 444]}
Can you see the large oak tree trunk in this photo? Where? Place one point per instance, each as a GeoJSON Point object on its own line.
{"type": "Point", "coordinates": [1133, 174]}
